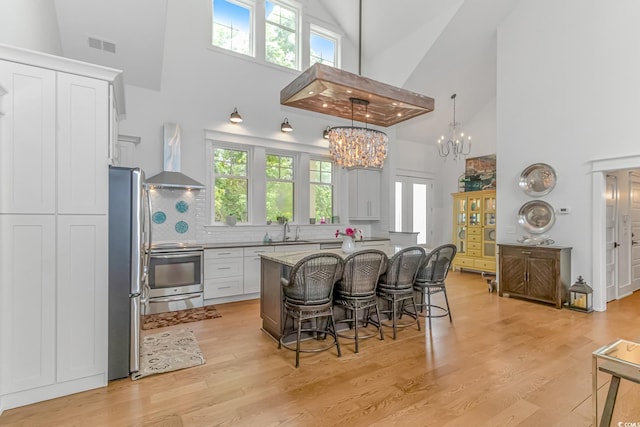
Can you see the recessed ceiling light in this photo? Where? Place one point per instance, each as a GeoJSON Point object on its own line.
{"type": "Point", "coordinates": [325, 105]}
{"type": "Point", "coordinates": [311, 92]}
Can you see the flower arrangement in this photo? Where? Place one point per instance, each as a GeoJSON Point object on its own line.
{"type": "Point", "coordinates": [354, 233]}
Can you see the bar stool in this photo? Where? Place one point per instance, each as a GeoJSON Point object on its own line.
{"type": "Point", "coordinates": [396, 287]}
{"type": "Point", "coordinates": [431, 280]}
{"type": "Point", "coordinates": [308, 295]}
{"type": "Point", "coordinates": [356, 291]}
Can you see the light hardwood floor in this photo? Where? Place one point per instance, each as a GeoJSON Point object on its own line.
{"type": "Point", "coordinates": [503, 362]}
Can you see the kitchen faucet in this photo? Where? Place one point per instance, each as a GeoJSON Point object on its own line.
{"type": "Point", "coordinates": [284, 232]}
{"type": "Point", "coordinates": [297, 233]}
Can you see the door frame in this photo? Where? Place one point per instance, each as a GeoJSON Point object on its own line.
{"type": "Point", "coordinates": [599, 169]}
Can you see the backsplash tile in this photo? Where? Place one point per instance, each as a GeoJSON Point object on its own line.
{"type": "Point", "coordinates": [176, 215]}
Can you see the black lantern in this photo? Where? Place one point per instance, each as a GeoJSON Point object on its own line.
{"type": "Point", "coordinates": [581, 296]}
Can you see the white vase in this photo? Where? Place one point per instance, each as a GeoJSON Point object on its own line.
{"type": "Point", "coordinates": [348, 245]}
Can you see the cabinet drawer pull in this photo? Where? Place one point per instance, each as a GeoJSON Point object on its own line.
{"type": "Point", "coordinates": [224, 268]}
{"type": "Point", "coordinates": [526, 252]}
{"type": "Point", "coordinates": [224, 253]}
{"type": "Point", "coordinates": [224, 287]}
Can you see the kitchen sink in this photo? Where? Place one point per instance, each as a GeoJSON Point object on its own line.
{"type": "Point", "coordinates": [291, 242]}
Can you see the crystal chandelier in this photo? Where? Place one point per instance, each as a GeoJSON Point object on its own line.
{"type": "Point", "coordinates": [352, 146]}
{"type": "Point", "coordinates": [456, 143]}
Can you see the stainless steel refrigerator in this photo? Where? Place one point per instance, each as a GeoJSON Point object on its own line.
{"type": "Point", "coordinates": [129, 237]}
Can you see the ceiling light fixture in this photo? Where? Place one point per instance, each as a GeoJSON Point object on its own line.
{"type": "Point", "coordinates": [352, 146]}
{"type": "Point", "coordinates": [285, 126]}
{"type": "Point", "coordinates": [455, 144]}
{"type": "Point", "coordinates": [321, 84]}
{"type": "Point", "coordinates": [235, 116]}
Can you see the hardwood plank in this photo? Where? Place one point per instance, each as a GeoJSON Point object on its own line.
{"type": "Point", "coordinates": [503, 361]}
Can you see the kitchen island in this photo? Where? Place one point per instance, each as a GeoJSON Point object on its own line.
{"type": "Point", "coordinates": [275, 265]}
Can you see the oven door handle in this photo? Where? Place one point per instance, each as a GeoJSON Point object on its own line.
{"type": "Point", "coordinates": [171, 299]}
{"type": "Point", "coordinates": [180, 255]}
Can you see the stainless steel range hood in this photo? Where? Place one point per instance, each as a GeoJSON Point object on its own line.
{"type": "Point", "coordinates": [171, 177]}
{"type": "Point", "coordinates": [168, 179]}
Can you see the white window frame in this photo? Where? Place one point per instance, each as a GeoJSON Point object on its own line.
{"type": "Point", "coordinates": [334, 187]}
{"type": "Point", "coordinates": [295, 158]}
{"type": "Point", "coordinates": [212, 180]}
{"type": "Point", "coordinates": [298, 30]}
{"type": "Point", "coordinates": [323, 32]}
{"type": "Point", "coordinates": [251, 5]}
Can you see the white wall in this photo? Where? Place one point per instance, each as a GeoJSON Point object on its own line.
{"type": "Point", "coordinates": [30, 24]}
{"type": "Point", "coordinates": [567, 94]}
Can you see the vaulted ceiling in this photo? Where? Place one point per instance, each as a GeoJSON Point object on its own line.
{"type": "Point", "coordinates": [433, 47]}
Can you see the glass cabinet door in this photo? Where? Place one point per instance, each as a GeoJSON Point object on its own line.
{"type": "Point", "coordinates": [489, 225]}
{"type": "Point", "coordinates": [474, 210]}
{"type": "Point", "coordinates": [460, 223]}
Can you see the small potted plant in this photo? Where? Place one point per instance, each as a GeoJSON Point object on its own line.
{"type": "Point", "coordinates": [231, 219]}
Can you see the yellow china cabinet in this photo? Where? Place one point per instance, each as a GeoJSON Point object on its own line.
{"type": "Point", "coordinates": [474, 230]}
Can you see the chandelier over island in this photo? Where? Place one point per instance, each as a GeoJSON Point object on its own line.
{"type": "Point", "coordinates": [353, 146]}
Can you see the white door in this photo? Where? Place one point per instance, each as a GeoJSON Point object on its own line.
{"type": "Point", "coordinates": [611, 222]}
{"type": "Point", "coordinates": [634, 193]}
{"type": "Point", "coordinates": [413, 206]}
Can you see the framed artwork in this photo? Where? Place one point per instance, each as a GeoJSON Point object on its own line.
{"type": "Point", "coordinates": [480, 173]}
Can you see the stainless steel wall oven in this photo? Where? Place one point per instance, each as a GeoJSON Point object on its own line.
{"type": "Point", "coordinates": [175, 278]}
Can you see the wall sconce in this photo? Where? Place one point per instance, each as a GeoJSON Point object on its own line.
{"type": "Point", "coordinates": [325, 133]}
{"type": "Point", "coordinates": [285, 126]}
{"type": "Point", "coordinates": [235, 116]}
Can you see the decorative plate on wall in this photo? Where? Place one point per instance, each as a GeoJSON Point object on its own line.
{"type": "Point", "coordinates": [538, 179]}
{"type": "Point", "coordinates": [182, 227]}
{"type": "Point", "coordinates": [159, 217]}
{"type": "Point", "coordinates": [536, 216]}
{"type": "Point", "coordinates": [182, 206]}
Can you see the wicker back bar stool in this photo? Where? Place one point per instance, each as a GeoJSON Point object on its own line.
{"type": "Point", "coordinates": [396, 287]}
{"type": "Point", "coordinates": [356, 292]}
{"type": "Point", "coordinates": [308, 296]}
{"type": "Point", "coordinates": [431, 280]}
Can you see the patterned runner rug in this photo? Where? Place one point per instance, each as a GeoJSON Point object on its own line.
{"type": "Point", "coordinates": [160, 320]}
{"type": "Point", "coordinates": [168, 351]}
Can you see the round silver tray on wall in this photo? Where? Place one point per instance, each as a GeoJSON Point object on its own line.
{"type": "Point", "coordinates": [538, 179]}
{"type": "Point", "coordinates": [536, 216]}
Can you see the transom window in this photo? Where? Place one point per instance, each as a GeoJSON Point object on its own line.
{"type": "Point", "coordinates": [323, 47]}
{"type": "Point", "coordinates": [232, 26]}
{"type": "Point", "coordinates": [280, 180]}
{"type": "Point", "coordinates": [231, 184]}
{"type": "Point", "coordinates": [281, 35]}
{"type": "Point", "coordinates": [321, 189]}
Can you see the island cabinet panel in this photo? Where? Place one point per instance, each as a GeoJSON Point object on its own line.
{"type": "Point", "coordinates": [535, 272]}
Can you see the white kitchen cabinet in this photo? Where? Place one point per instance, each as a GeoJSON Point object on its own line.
{"type": "Point", "coordinates": [27, 295]}
{"type": "Point", "coordinates": [83, 144]}
{"type": "Point", "coordinates": [54, 148]}
{"type": "Point", "coordinates": [82, 278]}
{"type": "Point", "coordinates": [28, 139]}
{"type": "Point", "coordinates": [364, 194]}
{"type": "Point", "coordinates": [252, 267]}
{"type": "Point", "coordinates": [223, 275]}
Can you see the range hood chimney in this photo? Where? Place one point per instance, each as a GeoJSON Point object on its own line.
{"type": "Point", "coordinates": [171, 177]}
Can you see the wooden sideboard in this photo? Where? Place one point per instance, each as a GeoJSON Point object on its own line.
{"type": "Point", "coordinates": [539, 273]}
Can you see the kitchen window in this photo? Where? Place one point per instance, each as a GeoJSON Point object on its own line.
{"type": "Point", "coordinates": [280, 186]}
{"type": "Point", "coordinates": [233, 26]}
{"type": "Point", "coordinates": [281, 35]}
{"type": "Point", "coordinates": [231, 184]}
{"type": "Point", "coordinates": [320, 189]}
{"type": "Point", "coordinates": [323, 47]}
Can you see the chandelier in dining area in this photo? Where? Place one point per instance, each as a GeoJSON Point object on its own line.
{"type": "Point", "coordinates": [353, 146]}
{"type": "Point", "coordinates": [455, 143]}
